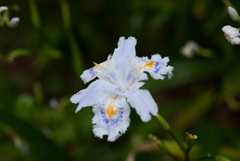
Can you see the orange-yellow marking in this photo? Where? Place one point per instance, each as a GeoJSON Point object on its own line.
{"type": "Point", "coordinates": [110, 111]}
{"type": "Point", "coordinates": [149, 64]}
{"type": "Point", "coordinates": [101, 64]}
{"type": "Point", "coordinates": [144, 65]}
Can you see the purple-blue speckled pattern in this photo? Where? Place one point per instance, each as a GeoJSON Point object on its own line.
{"type": "Point", "coordinates": [113, 121]}
{"type": "Point", "coordinates": [157, 67]}
{"type": "Point", "coordinates": [92, 73]}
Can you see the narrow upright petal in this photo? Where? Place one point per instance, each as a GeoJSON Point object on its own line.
{"type": "Point", "coordinates": [143, 102]}
{"type": "Point", "coordinates": [123, 56]}
{"type": "Point", "coordinates": [126, 50]}
{"type": "Point", "coordinates": [111, 117]}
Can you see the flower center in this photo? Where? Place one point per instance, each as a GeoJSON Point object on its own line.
{"type": "Point", "coordinates": [111, 106]}
{"type": "Point", "coordinates": [110, 111]}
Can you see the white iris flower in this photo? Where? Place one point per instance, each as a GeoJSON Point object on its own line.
{"type": "Point", "coordinates": [118, 86]}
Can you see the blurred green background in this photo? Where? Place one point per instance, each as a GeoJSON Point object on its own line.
{"type": "Point", "coordinates": [42, 59]}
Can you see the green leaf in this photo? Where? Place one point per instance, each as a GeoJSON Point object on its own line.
{"type": "Point", "coordinates": [34, 14]}
{"type": "Point", "coordinates": [18, 53]}
{"type": "Point", "coordinates": [220, 158]}
{"type": "Point", "coordinates": [185, 71]}
{"type": "Point", "coordinates": [46, 149]}
{"type": "Point", "coordinates": [24, 106]}
{"type": "Point", "coordinates": [195, 109]}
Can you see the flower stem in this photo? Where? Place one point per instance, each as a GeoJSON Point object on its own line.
{"type": "Point", "coordinates": [166, 126]}
{"type": "Point", "coordinates": [187, 154]}
{"type": "Point", "coordinates": [182, 147]}
{"type": "Point", "coordinates": [162, 146]}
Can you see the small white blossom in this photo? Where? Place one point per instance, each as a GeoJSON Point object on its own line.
{"type": "Point", "coordinates": [235, 41]}
{"type": "Point", "coordinates": [231, 34]}
{"type": "Point", "coordinates": [118, 86]}
{"type": "Point", "coordinates": [53, 103]}
{"type": "Point", "coordinates": [3, 8]}
{"type": "Point", "coordinates": [189, 49]}
{"type": "Point", "coordinates": [233, 14]}
{"type": "Point", "coordinates": [14, 22]}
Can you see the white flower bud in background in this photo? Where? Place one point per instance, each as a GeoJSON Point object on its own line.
{"type": "Point", "coordinates": [235, 41]}
{"type": "Point", "coordinates": [189, 49]}
{"type": "Point", "coordinates": [233, 14]}
{"type": "Point", "coordinates": [14, 22]}
{"type": "Point", "coordinates": [230, 31]}
{"type": "Point", "coordinates": [231, 34]}
{"type": "Point", "coordinates": [53, 103]}
{"type": "Point", "coordinates": [3, 8]}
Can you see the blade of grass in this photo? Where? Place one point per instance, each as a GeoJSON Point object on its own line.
{"type": "Point", "coordinates": [34, 14]}
{"type": "Point", "coordinates": [76, 53]}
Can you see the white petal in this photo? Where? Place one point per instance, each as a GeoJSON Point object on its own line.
{"type": "Point", "coordinates": [123, 56]}
{"type": "Point", "coordinates": [95, 71]}
{"type": "Point", "coordinates": [14, 22]}
{"type": "Point", "coordinates": [136, 86]}
{"type": "Point", "coordinates": [126, 49]}
{"type": "Point", "coordinates": [143, 102]}
{"type": "Point", "coordinates": [88, 75]}
{"type": "Point", "coordinates": [115, 125]}
{"type": "Point", "coordinates": [235, 41]}
{"type": "Point", "coordinates": [157, 66]}
{"type": "Point", "coordinates": [3, 8]}
{"type": "Point", "coordinates": [95, 92]}
{"type": "Point", "coordinates": [230, 31]}
{"type": "Point", "coordinates": [233, 14]}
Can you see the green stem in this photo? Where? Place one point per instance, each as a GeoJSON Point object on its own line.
{"type": "Point", "coordinates": [166, 126]}
{"type": "Point", "coordinates": [163, 122]}
{"type": "Point", "coordinates": [182, 147]}
{"type": "Point", "coordinates": [162, 146]}
{"type": "Point", "coordinates": [5, 18]}
{"type": "Point", "coordinates": [187, 154]}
